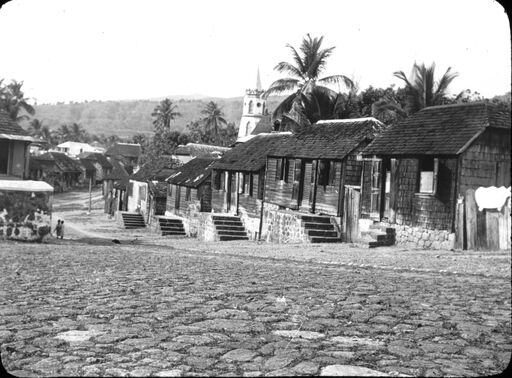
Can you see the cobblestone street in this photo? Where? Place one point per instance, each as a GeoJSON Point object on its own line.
{"type": "Point", "coordinates": [72, 308]}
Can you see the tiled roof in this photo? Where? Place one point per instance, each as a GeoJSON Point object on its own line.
{"type": "Point", "coordinates": [264, 125]}
{"type": "Point", "coordinates": [96, 156]}
{"type": "Point", "coordinates": [193, 173]}
{"type": "Point", "coordinates": [251, 156]}
{"type": "Point", "coordinates": [118, 171]}
{"type": "Point", "coordinates": [60, 160]}
{"type": "Point", "coordinates": [124, 149]}
{"type": "Point", "coordinates": [439, 130]}
{"type": "Point", "coordinates": [199, 150]}
{"type": "Point", "coordinates": [332, 139]}
{"type": "Point", "coordinates": [8, 126]}
{"type": "Point", "coordinates": [156, 170]}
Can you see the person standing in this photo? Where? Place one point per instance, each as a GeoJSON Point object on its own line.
{"type": "Point", "coordinates": [58, 229]}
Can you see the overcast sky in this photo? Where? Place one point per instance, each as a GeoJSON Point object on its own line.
{"type": "Point", "coordinates": [75, 50]}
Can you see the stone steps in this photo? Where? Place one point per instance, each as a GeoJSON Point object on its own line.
{"type": "Point", "coordinates": [133, 220]}
{"type": "Point", "coordinates": [377, 236]}
{"type": "Point", "coordinates": [320, 229]}
{"type": "Point", "coordinates": [229, 228]}
{"type": "Point", "coordinates": [171, 227]}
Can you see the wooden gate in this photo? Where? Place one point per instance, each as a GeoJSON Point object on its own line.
{"type": "Point", "coordinates": [488, 229]}
{"type": "Point", "coordinates": [351, 213]}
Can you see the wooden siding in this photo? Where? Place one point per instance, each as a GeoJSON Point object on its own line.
{"type": "Point", "coordinates": [327, 196]}
{"type": "Point", "coordinates": [305, 205]}
{"type": "Point", "coordinates": [279, 192]}
{"type": "Point", "coordinates": [486, 162]}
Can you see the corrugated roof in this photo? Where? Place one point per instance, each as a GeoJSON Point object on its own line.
{"type": "Point", "coordinates": [199, 150]}
{"type": "Point", "coordinates": [9, 127]}
{"type": "Point", "coordinates": [193, 173]}
{"type": "Point", "coordinates": [439, 130]}
{"type": "Point", "coordinates": [251, 156]}
{"type": "Point", "coordinates": [331, 139]}
{"type": "Point", "coordinates": [125, 149]}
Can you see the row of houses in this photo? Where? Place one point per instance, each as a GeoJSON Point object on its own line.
{"type": "Point", "coordinates": [339, 180]}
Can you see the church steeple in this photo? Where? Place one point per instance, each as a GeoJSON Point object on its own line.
{"type": "Point", "coordinates": [254, 108]}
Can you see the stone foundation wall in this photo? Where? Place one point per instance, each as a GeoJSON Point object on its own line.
{"type": "Point", "coordinates": [282, 226]}
{"type": "Point", "coordinates": [418, 237]}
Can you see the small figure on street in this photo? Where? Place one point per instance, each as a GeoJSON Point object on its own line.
{"type": "Point", "coordinates": [58, 229]}
{"type": "Point", "coordinates": [62, 229]}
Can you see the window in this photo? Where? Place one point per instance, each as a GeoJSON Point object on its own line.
{"type": "Point", "coordinates": [247, 183]}
{"type": "Point", "coordinates": [297, 170]}
{"type": "Point", "coordinates": [286, 170]}
{"type": "Point", "coordinates": [279, 169]}
{"type": "Point", "coordinates": [223, 181]}
{"type": "Point", "coordinates": [169, 190]}
{"type": "Point", "coordinates": [251, 107]}
{"type": "Point", "coordinates": [427, 182]}
{"type": "Point", "coordinates": [4, 156]}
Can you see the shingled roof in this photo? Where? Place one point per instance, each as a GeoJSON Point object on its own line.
{"type": "Point", "coordinates": [157, 170]}
{"type": "Point", "coordinates": [264, 125]}
{"type": "Point", "coordinates": [96, 156]}
{"type": "Point", "coordinates": [332, 139]}
{"type": "Point", "coordinates": [193, 173]}
{"type": "Point", "coordinates": [124, 149]}
{"type": "Point", "coordinates": [11, 130]}
{"type": "Point", "coordinates": [439, 130]}
{"type": "Point", "coordinates": [118, 171]}
{"type": "Point", "coordinates": [251, 156]}
{"type": "Point", "coordinates": [60, 161]}
{"type": "Point", "coordinates": [199, 150]}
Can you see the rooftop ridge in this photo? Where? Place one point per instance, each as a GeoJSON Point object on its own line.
{"type": "Point", "coordinates": [346, 120]}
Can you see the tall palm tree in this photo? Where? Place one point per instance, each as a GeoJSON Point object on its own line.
{"type": "Point", "coordinates": [35, 127]}
{"type": "Point", "coordinates": [213, 120]}
{"type": "Point", "coordinates": [63, 133]}
{"type": "Point", "coordinates": [309, 99]}
{"type": "Point", "coordinates": [12, 100]}
{"type": "Point", "coordinates": [164, 113]}
{"type": "Point", "coordinates": [421, 88]}
{"type": "Point", "coordinates": [77, 133]}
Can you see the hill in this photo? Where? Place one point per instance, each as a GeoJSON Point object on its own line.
{"type": "Point", "coordinates": [126, 118]}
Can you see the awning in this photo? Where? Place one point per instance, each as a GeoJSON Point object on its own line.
{"type": "Point", "coordinates": [25, 186]}
{"type": "Point", "coordinates": [18, 137]}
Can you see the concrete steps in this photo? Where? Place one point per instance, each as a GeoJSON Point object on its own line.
{"type": "Point", "coordinates": [320, 229]}
{"type": "Point", "coordinates": [171, 227]}
{"type": "Point", "coordinates": [133, 220]}
{"type": "Point", "coordinates": [229, 228]}
{"type": "Point", "coordinates": [377, 236]}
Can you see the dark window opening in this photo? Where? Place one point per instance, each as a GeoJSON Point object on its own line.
{"type": "Point", "coordinates": [4, 156]}
{"type": "Point", "coordinates": [324, 170]}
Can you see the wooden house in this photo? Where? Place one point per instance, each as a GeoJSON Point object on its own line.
{"type": "Point", "coordinates": [100, 162]}
{"type": "Point", "coordinates": [422, 167]}
{"type": "Point", "coordinates": [115, 187]}
{"type": "Point", "coordinates": [14, 149]}
{"type": "Point", "coordinates": [310, 171]}
{"type": "Point", "coordinates": [127, 153]}
{"type": "Point", "coordinates": [57, 169]}
{"type": "Point", "coordinates": [190, 187]}
{"type": "Point", "coordinates": [237, 179]}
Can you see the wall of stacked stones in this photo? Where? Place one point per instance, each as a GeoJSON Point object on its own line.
{"type": "Point", "coordinates": [418, 237]}
{"type": "Point", "coordinates": [282, 226]}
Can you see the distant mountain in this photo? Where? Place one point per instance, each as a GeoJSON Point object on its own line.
{"type": "Point", "coordinates": [128, 117]}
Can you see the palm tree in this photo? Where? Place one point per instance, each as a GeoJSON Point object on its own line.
{"type": "Point", "coordinates": [213, 120]}
{"type": "Point", "coordinates": [63, 133]}
{"type": "Point", "coordinates": [77, 133]}
{"type": "Point", "coordinates": [309, 99]}
{"type": "Point", "coordinates": [12, 100]}
{"type": "Point", "coordinates": [421, 88]}
{"type": "Point", "coordinates": [35, 127]}
{"type": "Point", "coordinates": [164, 113]}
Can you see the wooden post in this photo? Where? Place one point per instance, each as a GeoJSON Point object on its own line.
{"type": "Point", "coordinates": [341, 196]}
{"type": "Point", "coordinates": [471, 221]}
{"type": "Point", "coordinates": [393, 189]}
{"type": "Point", "coordinates": [90, 194]}
{"type": "Point", "coordinates": [313, 205]}
{"type": "Point", "coordinates": [504, 226]}
{"type": "Point", "coordinates": [459, 224]}
{"type": "Point", "coordinates": [382, 203]}
{"type": "Point", "coordinates": [492, 236]}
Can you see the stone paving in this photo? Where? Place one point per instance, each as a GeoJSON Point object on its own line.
{"type": "Point", "coordinates": [176, 307]}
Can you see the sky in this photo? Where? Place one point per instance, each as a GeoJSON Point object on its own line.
{"type": "Point", "coordinates": [76, 50]}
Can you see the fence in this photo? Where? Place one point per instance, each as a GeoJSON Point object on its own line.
{"type": "Point", "coordinates": [488, 229]}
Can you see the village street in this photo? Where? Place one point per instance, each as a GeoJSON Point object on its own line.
{"type": "Point", "coordinates": [166, 306]}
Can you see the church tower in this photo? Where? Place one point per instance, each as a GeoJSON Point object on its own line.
{"type": "Point", "coordinates": [254, 109]}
